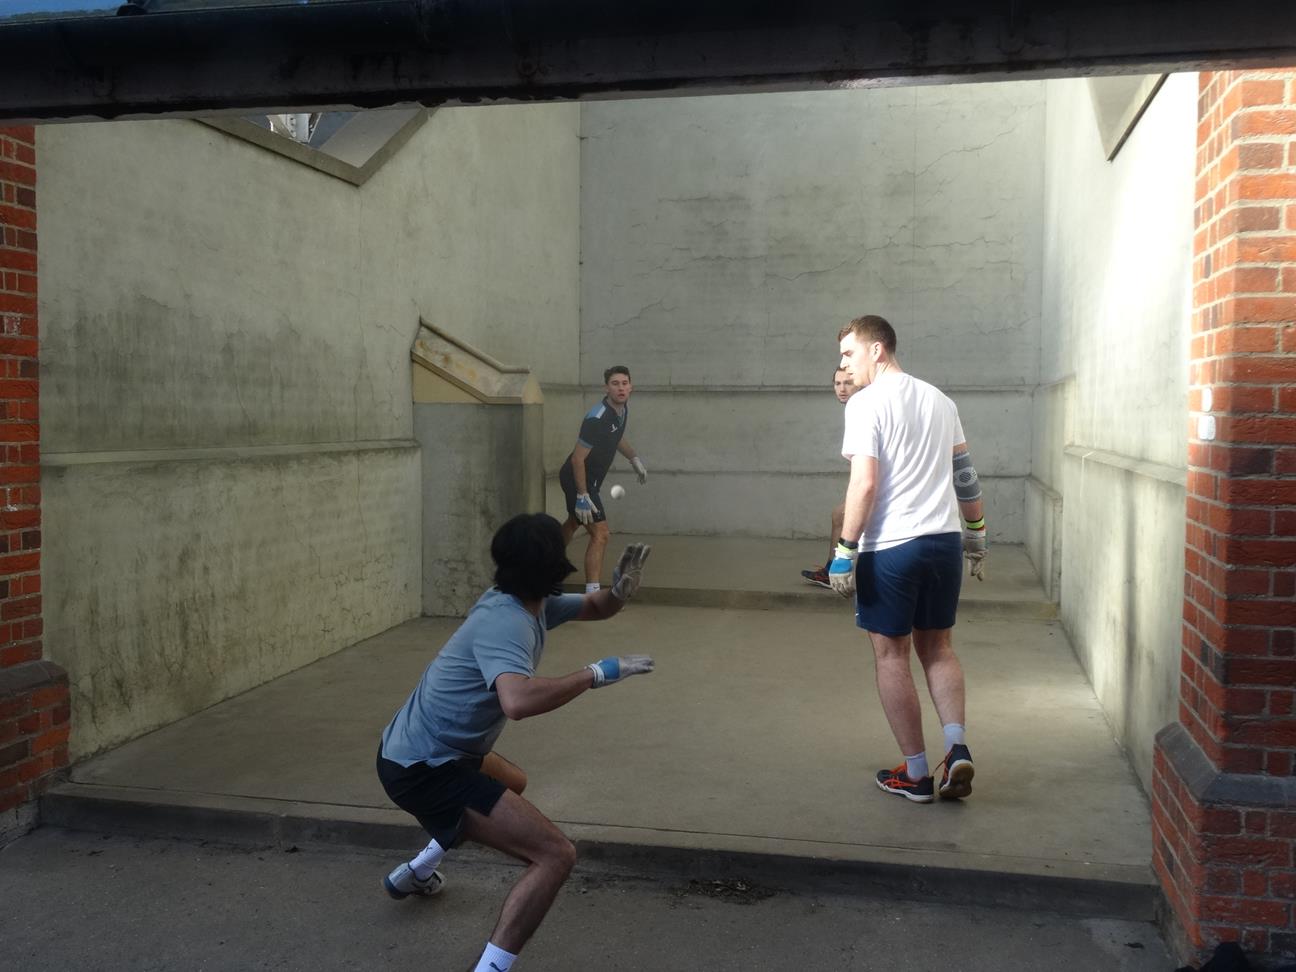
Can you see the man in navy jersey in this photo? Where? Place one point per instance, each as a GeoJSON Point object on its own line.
{"type": "Point", "coordinates": [843, 388]}
{"type": "Point", "coordinates": [602, 436]}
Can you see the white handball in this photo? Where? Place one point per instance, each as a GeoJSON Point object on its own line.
{"type": "Point", "coordinates": [617, 491]}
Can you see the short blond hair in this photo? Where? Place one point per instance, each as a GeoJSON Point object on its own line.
{"type": "Point", "coordinates": [870, 328]}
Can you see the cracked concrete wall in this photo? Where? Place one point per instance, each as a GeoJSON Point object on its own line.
{"type": "Point", "coordinates": [1112, 409]}
{"type": "Point", "coordinates": [724, 242]}
{"type": "Point", "coordinates": [173, 584]}
{"type": "Point", "coordinates": [473, 480]}
{"type": "Point", "coordinates": [231, 487]}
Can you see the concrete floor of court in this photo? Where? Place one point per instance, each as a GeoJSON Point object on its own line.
{"type": "Point", "coordinates": [760, 731]}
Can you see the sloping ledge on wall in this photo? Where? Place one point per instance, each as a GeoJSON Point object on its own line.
{"type": "Point", "coordinates": [1143, 467]}
{"type": "Point", "coordinates": [358, 149]}
{"type": "Point", "coordinates": [480, 429]}
{"type": "Point", "coordinates": [448, 370]}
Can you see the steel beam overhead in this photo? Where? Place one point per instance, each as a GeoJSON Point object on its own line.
{"type": "Point", "coordinates": [182, 57]}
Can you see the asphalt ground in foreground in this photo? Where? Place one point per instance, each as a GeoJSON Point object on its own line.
{"type": "Point", "coordinates": [89, 901]}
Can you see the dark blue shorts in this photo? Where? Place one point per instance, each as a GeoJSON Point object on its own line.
{"type": "Point", "coordinates": [437, 796]}
{"type": "Point", "coordinates": [568, 483]}
{"type": "Point", "coordinates": [913, 585]}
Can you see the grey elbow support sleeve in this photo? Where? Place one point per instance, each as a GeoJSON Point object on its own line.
{"type": "Point", "coordinates": [966, 485]}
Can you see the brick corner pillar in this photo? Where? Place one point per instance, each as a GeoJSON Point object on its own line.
{"type": "Point", "coordinates": [1223, 789]}
{"type": "Point", "coordinates": [34, 707]}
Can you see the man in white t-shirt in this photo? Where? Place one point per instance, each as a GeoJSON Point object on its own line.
{"type": "Point", "coordinates": [901, 551]}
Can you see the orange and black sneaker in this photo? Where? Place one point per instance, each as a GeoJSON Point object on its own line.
{"type": "Point", "coordinates": [897, 781]}
{"type": "Point", "coordinates": [818, 576]}
{"type": "Point", "coordinates": [956, 781]}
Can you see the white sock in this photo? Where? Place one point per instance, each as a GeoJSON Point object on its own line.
{"type": "Point", "coordinates": [916, 767]}
{"type": "Point", "coordinates": [591, 587]}
{"type": "Point", "coordinates": [428, 858]}
{"type": "Point", "coordinates": [495, 959]}
{"type": "Point", "coordinates": [954, 736]}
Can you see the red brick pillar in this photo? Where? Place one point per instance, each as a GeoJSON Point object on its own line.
{"type": "Point", "coordinates": [34, 711]}
{"type": "Point", "coordinates": [1224, 793]}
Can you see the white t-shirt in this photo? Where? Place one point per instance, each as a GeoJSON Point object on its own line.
{"type": "Point", "coordinates": [911, 428]}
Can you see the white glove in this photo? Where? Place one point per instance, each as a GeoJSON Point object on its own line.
{"type": "Point", "coordinates": [640, 470]}
{"type": "Point", "coordinates": [585, 508]}
{"type": "Point", "coordinates": [974, 549]}
{"type": "Point", "coordinates": [609, 670]}
{"type": "Point", "coordinates": [841, 572]}
{"type": "Point", "coordinates": [629, 571]}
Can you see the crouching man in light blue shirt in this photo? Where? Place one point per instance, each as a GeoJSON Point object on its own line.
{"type": "Point", "coordinates": [437, 761]}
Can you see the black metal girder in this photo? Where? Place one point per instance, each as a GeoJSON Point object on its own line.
{"type": "Point", "coordinates": [373, 53]}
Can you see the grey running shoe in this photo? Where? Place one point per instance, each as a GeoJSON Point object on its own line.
{"type": "Point", "coordinates": [956, 781]}
{"type": "Point", "coordinates": [401, 883]}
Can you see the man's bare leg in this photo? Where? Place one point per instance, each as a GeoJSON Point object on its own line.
{"type": "Point", "coordinates": [944, 673]}
{"type": "Point", "coordinates": [896, 690]}
{"type": "Point", "coordinates": [935, 651]}
{"type": "Point", "coordinates": [520, 830]}
{"type": "Point", "coordinates": [510, 774]}
{"type": "Point", "coordinates": [599, 536]}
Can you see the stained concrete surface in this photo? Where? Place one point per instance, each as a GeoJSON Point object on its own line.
{"type": "Point", "coordinates": [759, 732]}
{"type": "Point", "coordinates": [93, 902]}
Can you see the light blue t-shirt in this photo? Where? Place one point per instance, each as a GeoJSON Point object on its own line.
{"type": "Point", "coordinates": [454, 712]}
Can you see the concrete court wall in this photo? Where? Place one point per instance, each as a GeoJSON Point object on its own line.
{"type": "Point", "coordinates": [231, 486]}
{"type": "Point", "coordinates": [1110, 448]}
{"type": "Point", "coordinates": [724, 242]}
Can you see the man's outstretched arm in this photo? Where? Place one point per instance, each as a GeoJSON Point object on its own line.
{"type": "Point", "coordinates": [626, 577]}
{"type": "Point", "coordinates": [521, 697]}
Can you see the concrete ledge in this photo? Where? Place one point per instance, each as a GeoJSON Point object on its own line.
{"type": "Point", "coordinates": [1175, 475]}
{"type": "Point", "coordinates": [224, 453]}
{"type": "Point", "coordinates": [1211, 787]}
{"type": "Point", "coordinates": [1106, 891]}
{"type": "Point", "coordinates": [29, 676]}
{"type": "Point", "coordinates": [818, 600]}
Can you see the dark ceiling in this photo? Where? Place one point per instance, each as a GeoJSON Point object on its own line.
{"type": "Point", "coordinates": [168, 57]}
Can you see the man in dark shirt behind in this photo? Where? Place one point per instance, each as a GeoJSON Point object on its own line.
{"type": "Point", "coordinates": [602, 436]}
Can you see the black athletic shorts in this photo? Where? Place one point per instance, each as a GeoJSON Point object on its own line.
{"type": "Point", "coordinates": [438, 795]}
{"type": "Point", "coordinates": [568, 483]}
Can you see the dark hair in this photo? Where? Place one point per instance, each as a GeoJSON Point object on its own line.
{"type": "Point", "coordinates": [870, 328]}
{"type": "Point", "coordinates": [530, 556]}
{"type": "Point", "coordinates": [615, 370]}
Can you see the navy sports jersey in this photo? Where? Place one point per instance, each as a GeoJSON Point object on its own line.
{"type": "Point", "coordinates": [601, 433]}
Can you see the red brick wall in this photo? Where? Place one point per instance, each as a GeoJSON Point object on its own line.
{"type": "Point", "coordinates": [34, 710]}
{"type": "Point", "coordinates": [1224, 794]}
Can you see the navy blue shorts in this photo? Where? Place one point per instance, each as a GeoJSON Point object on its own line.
{"type": "Point", "coordinates": [568, 483]}
{"type": "Point", "coordinates": [913, 585]}
{"type": "Point", "coordinates": [437, 796]}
